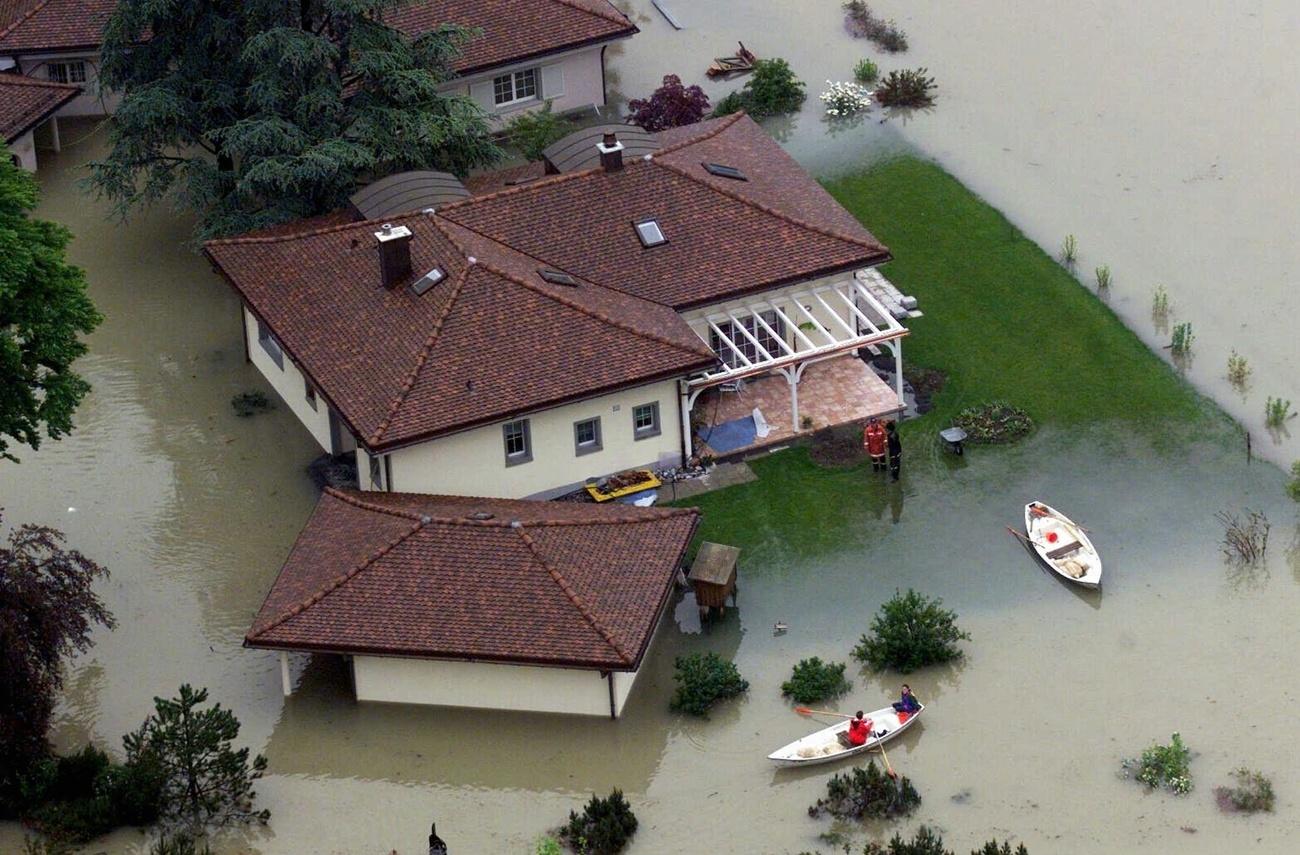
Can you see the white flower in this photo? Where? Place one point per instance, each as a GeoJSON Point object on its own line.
{"type": "Point", "coordinates": [844, 99]}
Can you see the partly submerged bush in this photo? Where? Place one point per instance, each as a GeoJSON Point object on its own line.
{"type": "Point", "coordinates": [862, 23]}
{"type": "Point", "coordinates": [1293, 487]}
{"type": "Point", "coordinates": [732, 102]}
{"type": "Point", "coordinates": [770, 91]}
{"type": "Point", "coordinates": [866, 71]}
{"type": "Point", "coordinates": [928, 842]}
{"type": "Point", "coordinates": [670, 106]}
{"type": "Point", "coordinates": [1164, 766]}
{"type": "Point", "coordinates": [248, 404]}
{"type": "Point", "coordinates": [867, 794]}
{"type": "Point", "coordinates": [910, 631]}
{"type": "Point", "coordinates": [1253, 793]}
{"type": "Point", "coordinates": [603, 828]}
{"type": "Point", "coordinates": [911, 87]}
{"type": "Point", "coordinates": [994, 422]}
{"type": "Point", "coordinates": [533, 130]}
{"type": "Point", "coordinates": [814, 680]}
{"type": "Point", "coordinates": [703, 679]}
{"type": "Point", "coordinates": [84, 795]}
{"type": "Point", "coordinates": [845, 99]}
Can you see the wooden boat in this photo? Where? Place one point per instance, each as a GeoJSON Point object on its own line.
{"type": "Point", "coordinates": [726, 66]}
{"type": "Point", "coordinates": [824, 745]}
{"type": "Point", "coordinates": [1062, 545]}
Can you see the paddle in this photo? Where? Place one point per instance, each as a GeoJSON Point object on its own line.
{"type": "Point", "coordinates": [807, 711]}
{"type": "Point", "coordinates": [1039, 512]}
{"type": "Point", "coordinates": [889, 769]}
{"type": "Point", "coordinates": [1019, 535]}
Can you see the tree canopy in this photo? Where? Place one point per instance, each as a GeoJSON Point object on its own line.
{"type": "Point", "coordinates": [255, 113]}
{"type": "Point", "coordinates": [43, 308]}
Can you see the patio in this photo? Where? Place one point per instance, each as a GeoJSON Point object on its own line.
{"type": "Point", "coordinates": [833, 392]}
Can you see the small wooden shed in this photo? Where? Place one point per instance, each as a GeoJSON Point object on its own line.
{"type": "Point", "coordinates": [713, 575]}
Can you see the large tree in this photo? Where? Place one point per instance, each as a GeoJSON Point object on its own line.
{"type": "Point", "coordinates": [256, 112]}
{"type": "Point", "coordinates": [47, 611]}
{"type": "Point", "coordinates": [43, 308]}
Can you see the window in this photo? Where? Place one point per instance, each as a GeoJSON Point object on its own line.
{"type": "Point", "coordinates": [512, 88]}
{"type": "Point", "coordinates": [270, 344]}
{"type": "Point", "coordinates": [311, 393]}
{"type": "Point", "coordinates": [645, 420]}
{"type": "Point", "coordinates": [724, 171]}
{"type": "Point", "coordinates": [650, 233]}
{"type": "Point", "coordinates": [586, 436]}
{"type": "Point", "coordinates": [557, 277]}
{"type": "Point", "coordinates": [518, 442]}
{"type": "Point", "coordinates": [742, 342]}
{"type": "Point", "coordinates": [422, 285]}
{"type": "Point", "coordinates": [66, 72]}
{"type": "Point", "coordinates": [376, 473]}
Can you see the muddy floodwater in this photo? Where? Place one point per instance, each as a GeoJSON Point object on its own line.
{"type": "Point", "coordinates": [193, 510]}
{"type": "Point", "coordinates": [1161, 134]}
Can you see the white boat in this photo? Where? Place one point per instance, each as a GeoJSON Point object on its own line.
{"type": "Point", "coordinates": [1062, 545]}
{"type": "Point", "coordinates": [824, 746]}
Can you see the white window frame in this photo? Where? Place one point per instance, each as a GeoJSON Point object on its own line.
{"type": "Point", "coordinates": [512, 80]}
{"type": "Point", "coordinates": [655, 428]}
{"type": "Point", "coordinates": [525, 431]}
{"type": "Point", "coordinates": [270, 344]}
{"type": "Point", "coordinates": [591, 446]}
{"type": "Point", "coordinates": [70, 71]}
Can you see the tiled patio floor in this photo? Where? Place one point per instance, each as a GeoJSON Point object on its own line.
{"type": "Point", "coordinates": [834, 392]}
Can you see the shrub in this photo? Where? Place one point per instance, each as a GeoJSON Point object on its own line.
{"type": "Point", "coordinates": [1160, 302]}
{"type": "Point", "coordinates": [862, 23]}
{"type": "Point", "coordinates": [908, 88]}
{"type": "Point", "coordinates": [866, 71]}
{"type": "Point", "coordinates": [1253, 793]}
{"type": "Point", "coordinates": [604, 827]}
{"type": "Point", "coordinates": [547, 845]}
{"type": "Point", "coordinates": [1244, 541]}
{"type": "Point", "coordinates": [250, 404]}
{"type": "Point", "coordinates": [670, 106]}
{"type": "Point", "coordinates": [532, 131]}
{"type": "Point", "coordinates": [770, 91]}
{"type": "Point", "coordinates": [867, 794]}
{"type": "Point", "coordinates": [179, 844]}
{"type": "Point", "coordinates": [845, 99]}
{"type": "Point", "coordinates": [1163, 766]}
{"type": "Point", "coordinates": [84, 795]}
{"type": "Point", "coordinates": [1277, 412]}
{"type": "Point", "coordinates": [910, 631]}
{"type": "Point", "coordinates": [1104, 279]}
{"type": "Point", "coordinates": [1293, 487]}
{"type": "Point", "coordinates": [928, 842]}
{"type": "Point", "coordinates": [993, 423]}
{"type": "Point", "coordinates": [44, 846]}
{"type": "Point", "coordinates": [814, 680]}
{"type": "Point", "coordinates": [732, 102]}
{"type": "Point", "coordinates": [1181, 341]}
{"type": "Point", "coordinates": [703, 679]}
{"type": "Point", "coordinates": [992, 848]}
{"type": "Point", "coordinates": [1069, 250]}
{"type": "Point", "coordinates": [1238, 369]}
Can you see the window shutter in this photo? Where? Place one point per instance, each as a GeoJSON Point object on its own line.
{"type": "Point", "coordinates": [481, 92]}
{"type": "Point", "coordinates": [553, 81]}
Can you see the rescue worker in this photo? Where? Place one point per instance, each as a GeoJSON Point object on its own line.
{"type": "Point", "coordinates": [895, 449]}
{"type": "Point", "coordinates": [874, 442]}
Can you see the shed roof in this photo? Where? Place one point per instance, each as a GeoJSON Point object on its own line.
{"type": "Point", "coordinates": [407, 191]}
{"type": "Point", "coordinates": [578, 150]}
{"type": "Point", "coordinates": [25, 103]}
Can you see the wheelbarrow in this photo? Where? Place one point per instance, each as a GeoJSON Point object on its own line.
{"type": "Point", "coordinates": [953, 437]}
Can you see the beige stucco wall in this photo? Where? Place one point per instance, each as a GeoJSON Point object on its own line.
{"type": "Point", "coordinates": [473, 463]}
{"type": "Point", "coordinates": [24, 148]}
{"type": "Point", "coordinates": [572, 81]}
{"type": "Point", "coordinates": [290, 385]}
{"type": "Point", "coordinates": [488, 685]}
{"type": "Point", "coordinates": [89, 102]}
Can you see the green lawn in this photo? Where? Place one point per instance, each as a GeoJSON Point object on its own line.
{"type": "Point", "coordinates": [1002, 320]}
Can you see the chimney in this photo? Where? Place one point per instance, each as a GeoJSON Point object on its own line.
{"type": "Point", "coordinates": [394, 253]}
{"type": "Point", "coordinates": [611, 152]}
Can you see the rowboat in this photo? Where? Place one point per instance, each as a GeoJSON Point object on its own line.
{"type": "Point", "coordinates": [824, 745]}
{"type": "Point", "coordinates": [1062, 545]}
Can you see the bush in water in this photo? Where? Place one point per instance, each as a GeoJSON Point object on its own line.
{"type": "Point", "coordinates": [1253, 793]}
{"type": "Point", "coordinates": [703, 679]}
{"type": "Point", "coordinates": [995, 422]}
{"type": "Point", "coordinates": [670, 106]}
{"type": "Point", "coordinates": [867, 794]}
{"type": "Point", "coordinates": [603, 828]}
{"type": "Point", "coordinates": [910, 631]}
{"type": "Point", "coordinates": [1163, 766]}
{"type": "Point", "coordinates": [814, 680]}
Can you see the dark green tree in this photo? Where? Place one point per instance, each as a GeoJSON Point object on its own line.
{"type": "Point", "coordinates": [43, 308]}
{"type": "Point", "coordinates": [259, 112]}
{"type": "Point", "coordinates": [206, 782]}
{"type": "Point", "coordinates": [47, 612]}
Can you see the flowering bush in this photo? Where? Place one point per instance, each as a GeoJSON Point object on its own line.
{"type": "Point", "coordinates": [845, 99]}
{"type": "Point", "coordinates": [866, 71]}
{"type": "Point", "coordinates": [670, 106]}
{"type": "Point", "coordinates": [1163, 766]}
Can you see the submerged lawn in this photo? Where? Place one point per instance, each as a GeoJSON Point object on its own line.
{"type": "Point", "coordinates": [1002, 320]}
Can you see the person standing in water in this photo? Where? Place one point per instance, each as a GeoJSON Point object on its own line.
{"type": "Point", "coordinates": [895, 449]}
{"type": "Point", "coordinates": [873, 441]}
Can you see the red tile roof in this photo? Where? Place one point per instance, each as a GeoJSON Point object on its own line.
{"type": "Point", "coordinates": [400, 368]}
{"type": "Point", "coordinates": [40, 25]}
{"type": "Point", "coordinates": [25, 103]}
{"type": "Point", "coordinates": [552, 583]}
{"type": "Point", "coordinates": [517, 30]}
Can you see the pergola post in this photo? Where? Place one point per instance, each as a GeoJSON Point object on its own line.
{"type": "Point", "coordinates": [792, 377]}
{"type": "Point", "coordinates": [285, 682]}
{"type": "Point", "coordinates": [897, 347]}
{"type": "Point", "coordinates": [54, 133]}
{"type": "Point", "coordinates": [687, 401]}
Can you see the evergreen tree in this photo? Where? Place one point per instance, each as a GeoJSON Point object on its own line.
{"type": "Point", "coordinates": [254, 112]}
{"type": "Point", "coordinates": [43, 306]}
{"type": "Point", "coordinates": [206, 782]}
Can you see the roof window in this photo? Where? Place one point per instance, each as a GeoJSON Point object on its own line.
{"type": "Point", "coordinates": [556, 277]}
{"type": "Point", "coordinates": [422, 285]}
{"type": "Point", "coordinates": [724, 171]}
{"type": "Point", "coordinates": [650, 233]}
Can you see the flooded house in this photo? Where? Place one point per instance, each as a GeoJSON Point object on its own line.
{"type": "Point", "coordinates": [524, 53]}
{"type": "Point", "coordinates": [28, 107]}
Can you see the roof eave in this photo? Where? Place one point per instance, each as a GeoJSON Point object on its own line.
{"type": "Point", "coordinates": [875, 261]}
{"type": "Point", "coordinates": [35, 123]}
{"type": "Point", "coordinates": [542, 54]}
{"type": "Point", "coordinates": [253, 643]}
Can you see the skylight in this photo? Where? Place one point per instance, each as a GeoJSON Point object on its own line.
{"type": "Point", "coordinates": [650, 233]}
{"type": "Point", "coordinates": [427, 281]}
{"type": "Point", "coordinates": [557, 277]}
{"type": "Point", "coordinates": [724, 171]}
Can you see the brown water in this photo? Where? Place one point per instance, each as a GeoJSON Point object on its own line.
{"type": "Point", "coordinates": [1162, 134]}
{"type": "Point", "coordinates": [193, 510]}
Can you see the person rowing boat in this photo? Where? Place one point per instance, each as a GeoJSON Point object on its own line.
{"type": "Point", "coordinates": [859, 730]}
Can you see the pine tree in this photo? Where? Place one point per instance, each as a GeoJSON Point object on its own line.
{"type": "Point", "coordinates": [255, 113]}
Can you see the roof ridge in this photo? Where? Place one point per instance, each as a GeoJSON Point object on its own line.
{"type": "Point", "coordinates": [768, 209]}
{"type": "Point", "coordinates": [590, 312]}
{"type": "Point", "coordinates": [369, 506]}
{"type": "Point", "coordinates": [708, 133]}
{"type": "Point", "coordinates": [545, 181]}
{"type": "Point", "coordinates": [641, 516]}
{"type": "Point", "coordinates": [574, 597]}
{"type": "Point", "coordinates": [22, 19]}
{"type": "Point", "coordinates": [457, 285]}
{"type": "Point", "coordinates": [319, 230]}
{"type": "Point", "coordinates": [341, 580]}
{"type": "Point", "coordinates": [611, 16]}
{"type": "Point", "coordinates": [23, 80]}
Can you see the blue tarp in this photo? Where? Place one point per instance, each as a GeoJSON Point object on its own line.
{"type": "Point", "coordinates": [730, 436]}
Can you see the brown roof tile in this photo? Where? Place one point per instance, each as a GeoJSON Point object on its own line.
{"type": "Point", "coordinates": [25, 103]}
{"type": "Point", "coordinates": [53, 24]}
{"type": "Point", "coordinates": [539, 582]}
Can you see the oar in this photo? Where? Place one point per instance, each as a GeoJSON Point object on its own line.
{"type": "Point", "coordinates": [888, 768]}
{"type": "Point", "coordinates": [1038, 512]}
{"type": "Point", "coordinates": [807, 711]}
{"type": "Point", "coordinates": [1019, 535]}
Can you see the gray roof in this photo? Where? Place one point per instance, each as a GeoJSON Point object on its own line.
{"type": "Point", "coordinates": [578, 151]}
{"type": "Point", "coordinates": [406, 192]}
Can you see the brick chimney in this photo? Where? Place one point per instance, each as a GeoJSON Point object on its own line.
{"type": "Point", "coordinates": [394, 254]}
{"type": "Point", "coordinates": [611, 152]}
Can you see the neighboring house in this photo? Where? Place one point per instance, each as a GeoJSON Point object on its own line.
{"type": "Point", "coordinates": [528, 51]}
{"type": "Point", "coordinates": [540, 606]}
{"type": "Point", "coordinates": [26, 105]}
{"type": "Point", "coordinates": [520, 342]}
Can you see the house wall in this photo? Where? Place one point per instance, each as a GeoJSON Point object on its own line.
{"type": "Point", "coordinates": [290, 384]}
{"type": "Point", "coordinates": [24, 148]}
{"type": "Point", "coordinates": [473, 462]}
{"type": "Point", "coordinates": [89, 102]}
{"type": "Point", "coordinates": [573, 81]}
{"type": "Point", "coordinates": [488, 685]}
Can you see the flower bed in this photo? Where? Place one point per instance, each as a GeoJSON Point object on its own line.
{"type": "Point", "coordinates": [995, 422]}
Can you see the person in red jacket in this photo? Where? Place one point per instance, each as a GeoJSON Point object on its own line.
{"type": "Point", "coordinates": [874, 441]}
{"type": "Point", "coordinates": [859, 730]}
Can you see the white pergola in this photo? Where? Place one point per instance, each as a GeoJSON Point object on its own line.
{"type": "Point", "coordinates": [852, 318]}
